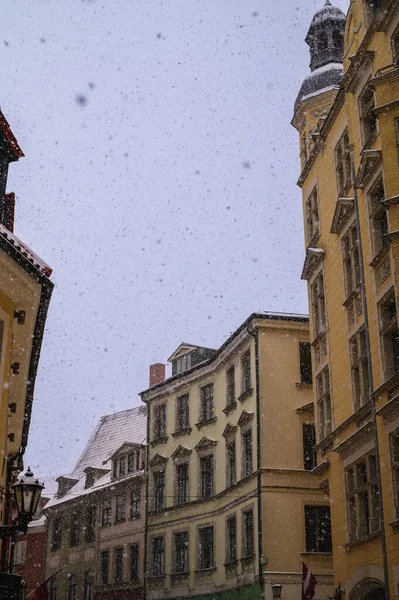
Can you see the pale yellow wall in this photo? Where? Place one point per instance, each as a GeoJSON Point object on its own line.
{"type": "Point", "coordinates": [351, 564]}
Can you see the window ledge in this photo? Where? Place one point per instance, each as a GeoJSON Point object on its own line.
{"type": "Point", "coordinates": [395, 526]}
{"type": "Point", "coordinates": [231, 564]}
{"type": "Point", "coordinates": [161, 440]}
{"type": "Point", "coordinates": [245, 560]}
{"type": "Point", "coordinates": [229, 408]}
{"type": "Point", "coordinates": [316, 553]}
{"type": "Point", "coordinates": [246, 394]}
{"type": "Point", "coordinates": [135, 517]}
{"type": "Point", "coordinates": [306, 386]}
{"type": "Point", "coordinates": [380, 255]}
{"type": "Point", "coordinates": [205, 571]}
{"type": "Point", "coordinates": [182, 432]}
{"type": "Point", "coordinates": [354, 294]}
{"type": "Point", "coordinates": [202, 424]}
{"type": "Point", "coordinates": [177, 576]}
{"type": "Point", "coordinates": [156, 578]}
{"type": "Point", "coordinates": [362, 540]}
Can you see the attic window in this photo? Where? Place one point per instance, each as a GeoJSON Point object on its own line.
{"type": "Point", "coordinates": [183, 363]}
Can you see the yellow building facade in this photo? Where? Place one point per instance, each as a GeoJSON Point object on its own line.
{"type": "Point", "coordinates": [347, 116]}
{"type": "Point", "coordinates": [235, 499]}
{"type": "Point", "coordinates": [25, 291]}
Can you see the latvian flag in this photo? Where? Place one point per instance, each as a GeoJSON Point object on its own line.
{"type": "Point", "coordinates": [308, 583]}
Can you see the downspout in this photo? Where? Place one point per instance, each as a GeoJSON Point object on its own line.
{"type": "Point", "coordinates": [145, 574]}
{"type": "Point", "coordinates": [371, 383]}
{"type": "Point", "coordinates": [254, 332]}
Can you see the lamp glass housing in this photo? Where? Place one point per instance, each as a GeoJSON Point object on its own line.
{"type": "Point", "coordinates": [27, 492]}
{"type": "Point", "coordinates": [276, 588]}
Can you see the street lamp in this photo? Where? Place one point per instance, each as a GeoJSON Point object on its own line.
{"type": "Point", "coordinates": [276, 588]}
{"type": "Point", "coordinates": [27, 491]}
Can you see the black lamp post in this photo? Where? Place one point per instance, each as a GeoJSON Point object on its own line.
{"type": "Point", "coordinates": [276, 589]}
{"type": "Point", "coordinates": [27, 491]}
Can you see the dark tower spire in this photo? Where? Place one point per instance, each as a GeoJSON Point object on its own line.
{"type": "Point", "coordinates": [326, 36]}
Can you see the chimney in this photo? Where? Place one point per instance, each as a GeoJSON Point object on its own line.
{"type": "Point", "coordinates": [157, 374]}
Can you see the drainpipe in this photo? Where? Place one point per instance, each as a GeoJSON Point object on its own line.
{"type": "Point", "coordinates": [371, 383]}
{"type": "Point", "coordinates": [145, 558]}
{"type": "Point", "coordinates": [254, 332]}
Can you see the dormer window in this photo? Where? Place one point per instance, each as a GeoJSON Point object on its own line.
{"type": "Point", "coordinates": [183, 363]}
{"type": "Point", "coordinates": [122, 466]}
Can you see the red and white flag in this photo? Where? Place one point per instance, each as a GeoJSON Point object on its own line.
{"type": "Point", "coordinates": [308, 583]}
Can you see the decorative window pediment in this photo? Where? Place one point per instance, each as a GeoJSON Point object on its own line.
{"type": "Point", "coordinates": [245, 418]}
{"type": "Point", "coordinates": [229, 430]}
{"type": "Point", "coordinates": [158, 460]}
{"type": "Point", "coordinates": [125, 449]}
{"type": "Point", "coordinates": [181, 452]}
{"type": "Point", "coordinates": [314, 256]}
{"type": "Point", "coordinates": [368, 164]}
{"type": "Point", "coordinates": [355, 441]}
{"type": "Point", "coordinates": [205, 444]}
{"type": "Point", "coordinates": [343, 210]}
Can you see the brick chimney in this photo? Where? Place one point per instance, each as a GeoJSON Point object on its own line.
{"type": "Point", "coordinates": [157, 374]}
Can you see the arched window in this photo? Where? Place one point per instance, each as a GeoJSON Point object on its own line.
{"type": "Point", "coordinates": [322, 41]}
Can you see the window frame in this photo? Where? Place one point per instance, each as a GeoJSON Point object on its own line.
{"type": "Point", "coordinates": [106, 512]}
{"type": "Point", "coordinates": [312, 217]}
{"type": "Point", "coordinates": [182, 489]}
{"type": "Point", "coordinates": [104, 562]}
{"type": "Point", "coordinates": [305, 356]}
{"type": "Point", "coordinates": [231, 466]}
{"type": "Point", "coordinates": [359, 368]}
{"type": "Point", "coordinates": [56, 534]}
{"type": "Point", "coordinates": [246, 374]}
{"type": "Point", "coordinates": [367, 118]}
{"type": "Point", "coordinates": [206, 474]}
{"type": "Point", "coordinates": [159, 485]}
{"type": "Point", "coordinates": [205, 563]}
{"type": "Point", "coordinates": [309, 448]}
{"type": "Point", "coordinates": [160, 422]}
{"type": "Point", "coordinates": [182, 413]}
{"type": "Point", "coordinates": [320, 544]}
{"type": "Point", "coordinates": [230, 386]}
{"type": "Point", "coordinates": [231, 540]}
{"type": "Point", "coordinates": [158, 566]}
{"type": "Point", "coordinates": [342, 156]}
{"type": "Point", "coordinates": [247, 452]}
{"type": "Point", "coordinates": [207, 408]}
{"type": "Point", "coordinates": [394, 458]}
{"type": "Point", "coordinates": [135, 503]}
{"type": "Point", "coordinates": [181, 552]}
{"type": "Point", "coordinates": [388, 333]}
{"type": "Point", "coordinates": [120, 508]}
{"type": "Point", "coordinates": [118, 564]}
{"type": "Point", "coordinates": [362, 505]}
{"type": "Point", "coordinates": [75, 529]}
{"type": "Point", "coordinates": [324, 403]}
{"type": "Point", "coordinates": [248, 533]}
{"type": "Point", "coordinates": [134, 560]}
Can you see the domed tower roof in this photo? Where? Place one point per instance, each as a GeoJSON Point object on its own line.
{"type": "Point", "coordinates": [325, 39]}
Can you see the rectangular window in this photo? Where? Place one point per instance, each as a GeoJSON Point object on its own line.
{"type": "Point", "coordinates": [378, 216]}
{"type": "Point", "coordinates": [230, 386]}
{"type": "Point", "coordinates": [88, 586]}
{"type": "Point", "coordinates": [368, 119]}
{"type": "Point", "coordinates": [159, 490]}
{"type": "Point", "coordinates": [248, 525]}
{"type": "Point", "coordinates": [104, 566]}
{"type": "Point", "coordinates": [54, 589]}
{"type": "Point", "coordinates": [247, 452]}
{"type": "Point", "coordinates": [351, 260]}
{"type": "Point", "coordinates": [106, 512]}
{"type": "Point", "coordinates": [231, 546]}
{"type": "Point", "coordinates": [122, 466]}
{"type": "Point", "coordinates": [206, 548]}
{"type": "Point", "coordinates": [395, 48]}
{"type": "Point", "coordinates": [120, 514]}
{"type": "Point", "coordinates": [159, 422]}
{"type": "Point", "coordinates": [343, 165]}
{"type": "Point", "coordinates": [135, 504]}
{"type": "Point", "coordinates": [231, 463]}
{"type": "Point", "coordinates": [182, 484]}
{"type": "Point", "coordinates": [181, 552]}
{"type": "Point", "coordinates": [318, 529]}
{"type": "Point", "coordinates": [56, 534]}
{"type": "Point", "coordinates": [206, 476]}
{"type": "Point", "coordinates": [305, 362]}
{"type": "Point", "coordinates": [362, 498]}
{"type": "Point", "coordinates": [318, 306]}
{"type": "Point", "coordinates": [72, 586]}
{"type": "Point", "coordinates": [20, 553]}
{"type": "Point", "coordinates": [324, 410]}
{"type": "Point", "coordinates": [115, 469]}
{"type": "Point", "coordinates": [118, 565]}
{"type": "Point", "coordinates": [134, 562]}
{"type": "Point", "coordinates": [312, 218]}
{"type": "Point", "coordinates": [246, 371]}
{"type": "Point", "coordinates": [91, 519]}
{"type": "Point", "coordinates": [309, 443]}
{"type": "Point", "coordinates": [131, 463]}
{"type": "Point", "coordinates": [389, 336]}
{"type": "Point", "coordinates": [158, 556]}
{"type": "Point", "coordinates": [360, 379]}
{"type": "Point", "coordinates": [206, 406]}
{"type": "Point", "coordinates": [74, 532]}
{"type": "Point", "coordinates": [182, 413]}
{"type": "Point", "coordinates": [394, 444]}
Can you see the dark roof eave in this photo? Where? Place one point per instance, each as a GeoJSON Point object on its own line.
{"type": "Point", "coordinates": [252, 317]}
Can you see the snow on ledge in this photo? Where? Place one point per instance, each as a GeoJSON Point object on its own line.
{"type": "Point", "coordinates": [33, 258]}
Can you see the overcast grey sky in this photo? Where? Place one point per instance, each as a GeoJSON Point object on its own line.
{"type": "Point", "coordinates": [159, 183]}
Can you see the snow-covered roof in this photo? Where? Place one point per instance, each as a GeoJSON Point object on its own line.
{"type": "Point", "coordinates": [111, 432]}
{"type": "Point", "coordinates": [32, 257]}
{"type": "Point", "coordinates": [109, 435]}
{"type": "Point", "coordinates": [327, 13]}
